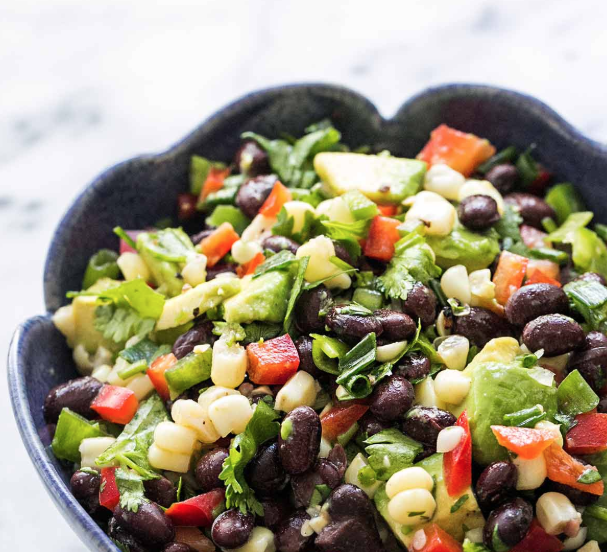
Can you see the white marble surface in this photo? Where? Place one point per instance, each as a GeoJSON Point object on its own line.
{"type": "Point", "coordinates": [86, 84]}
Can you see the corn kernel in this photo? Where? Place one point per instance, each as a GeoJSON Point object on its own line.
{"type": "Point", "coordinates": [449, 438]}
{"type": "Point", "coordinates": [230, 414]}
{"type": "Point", "coordinates": [454, 351]}
{"type": "Point", "coordinates": [299, 390]}
{"type": "Point", "coordinates": [455, 283]}
{"type": "Point", "coordinates": [412, 506]}
{"type": "Point", "coordinates": [229, 365]}
{"type": "Point", "coordinates": [298, 210]}
{"type": "Point", "coordinates": [90, 449]}
{"type": "Point", "coordinates": [336, 210]}
{"type": "Point", "coordinates": [409, 478]}
{"type": "Point", "coordinates": [451, 386]}
{"type": "Point", "coordinates": [444, 180]}
{"type": "Point", "coordinates": [165, 460]}
{"type": "Point", "coordinates": [141, 385]}
{"type": "Point", "coordinates": [531, 473]}
{"type": "Point", "coordinates": [175, 438]}
{"type": "Point", "coordinates": [195, 270]}
{"type": "Point", "coordinates": [320, 250]}
{"type": "Point", "coordinates": [190, 414]}
{"type": "Point", "coordinates": [351, 476]}
{"type": "Point", "coordinates": [557, 515]}
{"type": "Point", "coordinates": [132, 266]}
{"type": "Point", "coordinates": [434, 211]}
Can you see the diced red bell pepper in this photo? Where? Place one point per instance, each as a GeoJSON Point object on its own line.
{"type": "Point", "coordinates": [109, 495]}
{"type": "Point", "coordinates": [249, 268]}
{"type": "Point", "coordinates": [213, 182]}
{"type": "Point", "coordinates": [124, 246]}
{"type": "Point", "coordinates": [340, 418]}
{"type": "Point", "coordinates": [156, 374]}
{"type": "Point", "coordinates": [526, 442]}
{"type": "Point", "coordinates": [199, 511]}
{"type": "Point", "coordinates": [565, 469]}
{"type": "Point", "coordinates": [532, 237]}
{"type": "Point", "coordinates": [460, 150]}
{"type": "Point", "coordinates": [457, 464]}
{"type": "Point", "coordinates": [383, 234]}
{"type": "Point", "coordinates": [115, 404]}
{"type": "Point", "coordinates": [437, 540]}
{"type": "Point", "coordinates": [537, 540]}
{"type": "Point", "coordinates": [272, 362]}
{"type": "Point", "coordinates": [186, 206]}
{"type": "Point", "coordinates": [387, 210]}
{"type": "Point", "coordinates": [538, 186]}
{"type": "Point", "coordinates": [538, 277]}
{"type": "Point", "coordinates": [550, 269]}
{"type": "Point", "coordinates": [217, 245]}
{"type": "Point", "coordinates": [509, 275]}
{"type": "Point", "coordinates": [277, 198]}
{"type": "Point", "coordinates": [589, 435]}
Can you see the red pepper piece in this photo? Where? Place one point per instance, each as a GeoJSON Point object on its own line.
{"type": "Point", "coordinates": [457, 464]}
{"type": "Point", "coordinates": [272, 362]}
{"type": "Point", "coordinates": [589, 435]}
{"type": "Point", "coordinates": [340, 418]}
{"type": "Point", "coordinates": [383, 234]}
{"type": "Point", "coordinates": [115, 404]}
{"type": "Point", "coordinates": [109, 495]}
{"type": "Point", "coordinates": [199, 511]}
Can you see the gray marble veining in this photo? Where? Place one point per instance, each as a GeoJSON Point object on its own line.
{"type": "Point", "coordinates": [87, 84]}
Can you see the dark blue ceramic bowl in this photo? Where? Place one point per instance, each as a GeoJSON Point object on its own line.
{"type": "Point", "coordinates": [138, 192]}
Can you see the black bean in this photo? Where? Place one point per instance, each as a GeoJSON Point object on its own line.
{"type": "Point", "coordinates": [555, 333]}
{"type": "Point", "coordinates": [397, 326]}
{"type": "Point", "coordinates": [421, 304]}
{"type": "Point", "coordinates": [197, 238]}
{"type": "Point", "coordinates": [504, 177]}
{"type": "Point", "coordinates": [352, 327]}
{"type": "Point", "coordinates": [337, 457]}
{"type": "Point", "coordinates": [391, 398]}
{"type": "Point", "coordinates": [232, 528]}
{"type": "Point", "coordinates": [209, 467]}
{"type": "Point", "coordinates": [288, 537]}
{"type": "Point", "coordinates": [149, 525]}
{"type": "Point", "coordinates": [199, 334]}
{"type": "Point", "coordinates": [220, 268]}
{"type": "Point", "coordinates": [342, 253]}
{"type": "Point", "coordinates": [348, 501]}
{"type": "Point", "coordinates": [602, 406]}
{"type": "Point", "coordinates": [161, 491]}
{"type": "Point", "coordinates": [533, 300]}
{"type": "Point", "coordinates": [496, 484]}
{"type": "Point", "coordinates": [275, 511]}
{"type": "Point", "coordinates": [303, 485]}
{"type": "Point", "coordinates": [299, 447]}
{"type": "Point", "coordinates": [125, 538]}
{"type": "Point", "coordinates": [352, 535]}
{"type": "Point", "coordinates": [414, 366]}
{"type": "Point", "coordinates": [85, 487]}
{"type": "Point", "coordinates": [76, 394]}
{"type": "Point", "coordinates": [265, 472]}
{"type": "Point", "coordinates": [370, 425]}
{"type": "Point", "coordinates": [478, 212]}
{"type": "Point", "coordinates": [177, 547]}
{"type": "Point", "coordinates": [280, 243]}
{"type": "Point", "coordinates": [252, 159]}
{"type": "Point", "coordinates": [424, 423]}
{"type": "Point", "coordinates": [595, 339]}
{"type": "Point", "coordinates": [592, 277]}
{"type": "Point", "coordinates": [329, 472]}
{"type": "Point", "coordinates": [253, 193]}
{"type": "Point", "coordinates": [577, 497]}
{"type": "Point", "coordinates": [592, 366]}
{"type": "Point", "coordinates": [303, 345]}
{"type": "Point", "coordinates": [310, 309]}
{"type": "Point", "coordinates": [481, 325]}
{"type": "Point", "coordinates": [508, 524]}
{"type": "Point", "coordinates": [532, 208]}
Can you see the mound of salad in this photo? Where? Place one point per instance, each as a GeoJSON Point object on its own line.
{"type": "Point", "coordinates": [346, 351]}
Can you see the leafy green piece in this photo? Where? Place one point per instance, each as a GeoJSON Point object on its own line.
{"type": "Point", "coordinates": [285, 224]}
{"type": "Point", "coordinates": [527, 417]}
{"type": "Point", "coordinates": [261, 428]}
{"type": "Point", "coordinates": [231, 214]}
{"type": "Point", "coordinates": [566, 422]}
{"type": "Point", "coordinates": [589, 252]}
{"type": "Point", "coordinates": [256, 331]}
{"type": "Point", "coordinates": [554, 255]}
{"type": "Point", "coordinates": [121, 323]}
{"type": "Point", "coordinates": [589, 477]}
{"type": "Point", "coordinates": [71, 430]}
{"type": "Point", "coordinates": [145, 349]}
{"type": "Point", "coordinates": [281, 261]}
{"type": "Point", "coordinates": [132, 369]}
{"type": "Point", "coordinates": [564, 199]}
{"type": "Point", "coordinates": [101, 265]}
{"type": "Point", "coordinates": [508, 227]}
{"type": "Point", "coordinates": [130, 486]}
{"type": "Point", "coordinates": [293, 163]}
{"type": "Point", "coordinates": [326, 352]}
{"type": "Point", "coordinates": [390, 451]}
{"type": "Point", "coordinates": [527, 167]}
{"type": "Point", "coordinates": [122, 234]}
{"type": "Point", "coordinates": [575, 396]}
{"type": "Point", "coordinates": [368, 298]}
{"type": "Point", "coordinates": [469, 546]}
{"type": "Point", "coordinates": [296, 290]}
{"type": "Point", "coordinates": [412, 262]}
{"type": "Point", "coordinates": [459, 503]}
{"type": "Point", "coordinates": [358, 358]}
{"type": "Point", "coordinates": [340, 230]}
{"type": "Point", "coordinates": [565, 232]}
{"type": "Point", "coordinates": [475, 250]}
{"type": "Point", "coordinates": [172, 245]}
{"type": "Point", "coordinates": [199, 170]}
{"type": "Point", "coordinates": [505, 156]}
{"type": "Point", "coordinates": [361, 207]}
{"type": "Point", "coordinates": [224, 196]}
{"type": "Point", "coordinates": [230, 331]}
{"type": "Point", "coordinates": [192, 369]}
{"type": "Point", "coordinates": [590, 300]}
{"type": "Point", "coordinates": [132, 445]}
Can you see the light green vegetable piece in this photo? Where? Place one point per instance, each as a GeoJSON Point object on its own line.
{"type": "Point", "coordinates": [475, 251]}
{"type": "Point", "coordinates": [71, 430]}
{"type": "Point", "coordinates": [467, 515]}
{"type": "Point", "coordinates": [263, 299]}
{"type": "Point", "coordinates": [595, 517]}
{"type": "Point", "coordinates": [187, 306]}
{"type": "Point", "coordinates": [165, 273]}
{"type": "Point", "coordinates": [381, 178]}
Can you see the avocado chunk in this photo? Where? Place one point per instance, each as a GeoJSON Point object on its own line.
{"type": "Point", "coordinates": [381, 178]}
{"type": "Point", "coordinates": [466, 510]}
{"type": "Point", "coordinates": [499, 388]}
{"type": "Point", "coordinates": [196, 301]}
{"type": "Point", "coordinates": [166, 274]}
{"type": "Point", "coordinates": [263, 299]}
{"type": "Point", "coordinates": [472, 249]}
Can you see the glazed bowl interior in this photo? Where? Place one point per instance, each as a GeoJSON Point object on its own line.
{"type": "Point", "coordinates": [141, 191]}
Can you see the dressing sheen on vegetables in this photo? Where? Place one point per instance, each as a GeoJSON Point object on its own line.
{"type": "Point", "coordinates": [340, 350]}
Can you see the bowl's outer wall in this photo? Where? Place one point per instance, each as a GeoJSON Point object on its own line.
{"type": "Point", "coordinates": [139, 192]}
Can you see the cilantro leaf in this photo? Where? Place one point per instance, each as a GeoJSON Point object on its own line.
{"type": "Point", "coordinates": [121, 323]}
{"type": "Point", "coordinates": [171, 244]}
{"type": "Point", "coordinates": [390, 451]}
{"type": "Point", "coordinates": [130, 485]}
{"type": "Point", "coordinates": [281, 261]}
{"type": "Point", "coordinates": [261, 427]}
{"type": "Point", "coordinates": [285, 224]}
{"type": "Point", "coordinates": [296, 290]}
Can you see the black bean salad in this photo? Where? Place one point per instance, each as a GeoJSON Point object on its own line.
{"type": "Point", "coordinates": [346, 351]}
